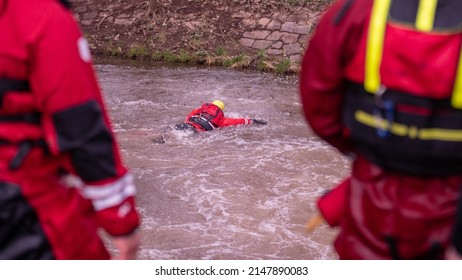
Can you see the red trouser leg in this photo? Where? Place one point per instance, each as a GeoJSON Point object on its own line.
{"type": "Point", "coordinates": [67, 220]}
{"type": "Point", "coordinates": [395, 216]}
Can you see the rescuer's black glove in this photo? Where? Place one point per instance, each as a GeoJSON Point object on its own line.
{"type": "Point", "coordinates": [259, 122]}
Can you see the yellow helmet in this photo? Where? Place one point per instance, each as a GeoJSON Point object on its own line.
{"type": "Point", "coordinates": [220, 104]}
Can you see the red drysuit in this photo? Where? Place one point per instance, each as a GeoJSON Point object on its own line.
{"type": "Point", "coordinates": [401, 199]}
{"type": "Point", "coordinates": [209, 117]}
{"type": "Point", "coordinates": [53, 123]}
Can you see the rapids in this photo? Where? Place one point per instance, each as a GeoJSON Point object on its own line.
{"type": "Point", "coordinates": [235, 193]}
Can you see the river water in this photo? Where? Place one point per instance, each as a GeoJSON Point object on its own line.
{"type": "Point", "coordinates": [235, 193]}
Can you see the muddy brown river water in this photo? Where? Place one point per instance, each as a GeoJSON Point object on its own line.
{"type": "Point", "coordinates": [234, 193]}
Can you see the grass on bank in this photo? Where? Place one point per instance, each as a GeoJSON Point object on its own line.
{"type": "Point", "coordinates": [313, 4]}
{"type": "Point", "coordinates": [219, 57]}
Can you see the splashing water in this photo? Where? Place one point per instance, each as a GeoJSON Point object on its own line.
{"type": "Point", "coordinates": [235, 193]}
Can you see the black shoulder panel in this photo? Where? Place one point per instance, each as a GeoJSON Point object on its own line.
{"type": "Point", "coordinates": [404, 11]}
{"type": "Point", "coordinates": [343, 11]}
{"type": "Point", "coordinates": [82, 132]}
{"type": "Point", "coordinates": [448, 13]}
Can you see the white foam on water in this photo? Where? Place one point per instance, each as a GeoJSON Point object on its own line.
{"type": "Point", "coordinates": [138, 103]}
{"type": "Point", "coordinates": [234, 193]}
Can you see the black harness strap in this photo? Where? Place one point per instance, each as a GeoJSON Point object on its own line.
{"type": "Point", "coordinates": [19, 86]}
{"type": "Point", "coordinates": [204, 119]}
{"type": "Point", "coordinates": [31, 118]}
{"type": "Point", "coordinates": [24, 149]}
{"type": "Point", "coordinates": [405, 133]}
{"type": "Point", "coordinates": [203, 122]}
{"type": "Point", "coordinates": [34, 118]}
{"type": "Point", "coordinates": [402, 97]}
{"type": "Point", "coordinates": [7, 85]}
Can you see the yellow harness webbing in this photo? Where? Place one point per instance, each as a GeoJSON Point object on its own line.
{"type": "Point", "coordinates": [376, 36]}
{"type": "Point", "coordinates": [426, 15]}
{"type": "Point", "coordinates": [456, 99]}
{"type": "Point", "coordinates": [374, 49]}
{"type": "Point", "coordinates": [372, 80]}
{"type": "Point", "coordinates": [440, 134]}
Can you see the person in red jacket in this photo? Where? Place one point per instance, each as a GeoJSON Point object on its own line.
{"type": "Point", "coordinates": [210, 116]}
{"type": "Point", "coordinates": [54, 129]}
{"type": "Point", "coordinates": [381, 81]}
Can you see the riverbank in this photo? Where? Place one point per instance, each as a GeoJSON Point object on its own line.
{"type": "Point", "coordinates": [263, 35]}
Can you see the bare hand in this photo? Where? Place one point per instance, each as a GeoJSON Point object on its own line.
{"type": "Point", "coordinates": [127, 246]}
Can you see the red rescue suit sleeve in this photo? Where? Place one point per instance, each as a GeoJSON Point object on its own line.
{"type": "Point", "coordinates": [323, 66]}
{"type": "Point", "coordinates": [223, 122]}
{"type": "Point", "coordinates": [75, 121]}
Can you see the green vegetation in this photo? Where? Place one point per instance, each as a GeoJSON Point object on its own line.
{"type": "Point", "coordinates": [138, 53]}
{"type": "Point", "coordinates": [220, 51]}
{"type": "Point", "coordinates": [314, 4]}
{"type": "Point", "coordinates": [220, 57]}
{"type": "Point", "coordinates": [283, 66]}
{"type": "Point", "coordinates": [195, 46]}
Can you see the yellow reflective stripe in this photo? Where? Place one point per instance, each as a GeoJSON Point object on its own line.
{"type": "Point", "coordinates": [450, 135]}
{"type": "Point", "coordinates": [454, 135]}
{"type": "Point", "coordinates": [372, 121]}
{"type": "Point", "coordinates": [456, 99]}
{"type": "Point", "coordinates": [375, 39]}
{"type": "Point", "coordinates": [426, 15]}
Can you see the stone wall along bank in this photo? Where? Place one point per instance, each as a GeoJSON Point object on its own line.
{"type": "Point", "coordinates": [280, 34]}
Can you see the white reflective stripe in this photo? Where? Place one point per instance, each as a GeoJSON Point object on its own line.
{"type": "Point", "coordinates": [72, 181]}
{"type": "Point", "coordinates": [101, 191]}
{"type": "Point", "coordinates": [112, 194]}
{"type": "Point", "coordinates": [101, 204]}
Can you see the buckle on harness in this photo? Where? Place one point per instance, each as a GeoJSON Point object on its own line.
{"type": "Point", "coordinates": [24, 148]}
{"type": "Point", "coordinates": [384, 113]}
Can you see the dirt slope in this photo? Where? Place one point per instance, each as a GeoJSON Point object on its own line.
{"type": "Point", "coordinates": [134, 28]}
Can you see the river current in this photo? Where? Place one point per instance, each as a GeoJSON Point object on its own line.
{"type": "Point", "coordinates": [242, 192]}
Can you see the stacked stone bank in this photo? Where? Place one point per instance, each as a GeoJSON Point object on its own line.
{"type": "Point", "coordinates": [278, 38]}
{"type": "Point", "coordinates": [279, 34]}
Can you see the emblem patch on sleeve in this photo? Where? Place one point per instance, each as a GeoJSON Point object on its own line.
{"type": "Point", "coordinates": [84, 49]}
